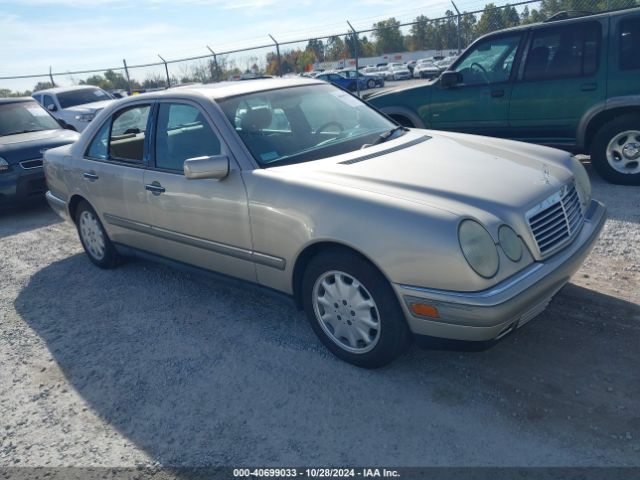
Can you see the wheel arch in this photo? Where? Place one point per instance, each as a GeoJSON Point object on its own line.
{"type": "Point", "coordinates": [401, 113]}
{"type": "Point", "coordinates": [312, 250]}
{"type": "Point", "coordinates": [74, 201]}
{"type": "Point", "coordinates": [602, 113]}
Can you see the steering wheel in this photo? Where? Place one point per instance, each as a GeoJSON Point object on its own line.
{"type": "Point", "coordinates": [483, 70]}
{"type": "Point", "coordinates": [321, 128]}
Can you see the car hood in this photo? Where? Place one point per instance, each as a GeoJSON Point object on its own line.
{"type": "Point", "coordinates": [92, 107]}
{"type": "Point", "coordinates": [27, 146]}
{"type": "Point", "coordinates": [491, 179]}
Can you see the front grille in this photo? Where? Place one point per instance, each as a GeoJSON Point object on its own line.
{"type": "Point", "coordinates": [556, 220]}
{"type": "Point", "coordinates": [29, 164]}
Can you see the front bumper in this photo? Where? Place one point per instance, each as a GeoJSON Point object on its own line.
{"type": "Point", "coordinates": [492, 313]}
{"type": "Point", "coordinates": [20, 186]}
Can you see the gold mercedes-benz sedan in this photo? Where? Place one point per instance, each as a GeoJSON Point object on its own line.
{"type": "Point", "coordinates": [380, 233]}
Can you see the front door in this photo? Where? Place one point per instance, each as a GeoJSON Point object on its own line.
{"type": "Point", "coordinates": [202, 222]}
{"type": "Point", "coordinates": [480, 102]}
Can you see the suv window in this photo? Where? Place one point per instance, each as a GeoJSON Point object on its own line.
{"type": "Point", "coordinates": [629, 44]}
{"type": "Point", "coordinates": [570, 51]}
{"type": "Point", "coordinates": [490, 61]}
{"type": "Point", "coordinates": [48, 100]}
{"type": "Point", "coordinates": [126, 141]}
{"type": "Point", "coordinates": [182, 133]}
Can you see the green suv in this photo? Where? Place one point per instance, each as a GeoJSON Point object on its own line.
{"type": "Point", "coordinates": [571, 83]}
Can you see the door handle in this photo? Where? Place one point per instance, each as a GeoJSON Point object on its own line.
{"type": "Point", "coordinates": [91, 176]}
{"type": "Point", "coordinates": [155, 188]}
{"type": "Point", "coordinates": [497, 93]}
{"type": "Point", "coordinates": [588, 87]}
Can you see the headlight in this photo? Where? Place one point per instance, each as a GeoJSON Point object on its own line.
{"type": "Point", "coordinates": [4, 165]}
{"type": "Point", "coordinates": [478, 248]}
{"type": "Point", "coordinates": [583, 184]}
{"type": "Point", "coordinates": [510, 243]}
{"type": "Point", "coordinates": [85, 117]}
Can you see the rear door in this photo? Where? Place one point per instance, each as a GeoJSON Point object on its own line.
{"type": "Point", "coordinates": [563, 75]}
{"type": "Point", "coordinates": [113, 174]}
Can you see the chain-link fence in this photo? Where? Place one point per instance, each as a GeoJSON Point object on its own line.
{"type": "Point", "coordinates": [386, 41]}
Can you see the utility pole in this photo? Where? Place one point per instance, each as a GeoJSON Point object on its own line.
{"type": "Point", "coordinates": [355, 51]}
{"type": "Point", "coordinates": [126, 71]}
{"type": "Point", "coordinates": [278, 52]}
{"type": "Point", "coordinates": [166, 69]}
{"type": "Point", "coordinates": [215, 65]}
{"type": "Point", "coordinates": [53, 84]}
{"type": "Point", "coordinates": [459, 17]}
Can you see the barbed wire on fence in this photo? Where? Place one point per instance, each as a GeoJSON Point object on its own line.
{"type": "Point", "coordinates": [453, 31]}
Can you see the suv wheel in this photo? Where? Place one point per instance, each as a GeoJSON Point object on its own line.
{"type": "Point", "coordinates": [615, 152]}
{"type": "Point", "coordinates": [353, 309]}
{"type": "Point", "coordinates": [371, 83]}
{"type": "Point", "coordinates": [94, 239]}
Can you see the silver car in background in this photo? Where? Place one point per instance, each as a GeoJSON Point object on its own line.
{"type": "Point", "coordinates": [378, 232]}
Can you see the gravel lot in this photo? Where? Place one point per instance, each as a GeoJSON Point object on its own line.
{"type": "Point", "coordinates": [145, 365]}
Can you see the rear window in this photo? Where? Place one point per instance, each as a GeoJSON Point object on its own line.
{"type": "Point", "coordinates": [629, 44]}
{"type": "Point", "coordinates": [82, 96]}
{"type": "Point", "coordinates": [568, 51]}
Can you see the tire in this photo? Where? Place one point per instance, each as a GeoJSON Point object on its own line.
{"type": "Point", "coordinates": [615, 151]}
{"type": "Point", "coordinates": [370, 333]}
{"type": "Point", "coordinates": [94, 238]}
{"type": "Point", "coordinates": [371, 83]}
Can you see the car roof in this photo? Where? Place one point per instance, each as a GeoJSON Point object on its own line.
{"type": "Point", "coordinates": [230, 89]}
{"type": "Point", "coordinates": [581, 18]}
{"type": "Point", "coordinates": [64, 89]}
{"type": "Point", "coordinates": [4, 101]}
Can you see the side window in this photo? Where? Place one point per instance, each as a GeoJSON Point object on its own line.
{"type": "Point", "coordinates": [99, 147]}
{"type": "Point", "coordinates": [629, 44]}
{"type": "Point", "coordinates": [490, 61]}
{"type": "Point", "coordinates": [48, 100]}
{"type": "Point", "coordinates": [128, 129]}
{"type": "Point", "coordinates": [182, 133]}
{"type": "Point", "coordinates": [564, 52]}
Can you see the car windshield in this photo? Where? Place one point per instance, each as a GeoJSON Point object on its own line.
{"type": "Point", "coordinates": [300, 124]}
{"type": "Point", "coordinates": [82, 96]}
{"type": "Point", "coordinates": [24, 117]}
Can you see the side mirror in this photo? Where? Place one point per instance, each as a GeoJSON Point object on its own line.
{"type": "Point", "coordinates": [51, 107]}
{"type": "Point", "coordinates": [216, 166]}
{"type": "Point", "coordinates": [449, 79]}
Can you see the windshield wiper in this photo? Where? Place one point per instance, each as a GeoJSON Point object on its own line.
{"type": "Point", "coordinates": [23, 131]}
{"type": "Point", "coordinates": [383, 137]}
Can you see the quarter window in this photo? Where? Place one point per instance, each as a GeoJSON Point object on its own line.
{"type": "Point", "coordinates": [564, 52]}
{"type": "Point", "coordinates": [490, 61]}
{"type": "Point", "coordinates": [48, 101]}
{"type": "Point", "coordinates": [99, 147]}
{"type": "Point", "coordinates": [182, 133]}
{"type": "Point", "coordinates": [128, 130]}
{"type": "Point", "coordinates": [629, 44]}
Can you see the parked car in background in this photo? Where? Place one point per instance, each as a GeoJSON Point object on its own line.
{"type": "Point", "coordinates": [398, 72]}
{"type": "Point", "coordinates": [366, 80]}
{"type": "Point", "coordinates": [26, 131]}
{"type": "Point", "coordinates": [569, 83]}
{"type": "Point", "coordinates": [426, 68]}
{"type": "Point", "coordinates": [74, 106]}
{"type": "Point", "coordinates": [309, 207]}
{"type": "Point", "coordinates": [446, 62]}
{"type": "Point", "coordinates": [339, 80]}
{"type": "Point", "coordinates": [411, 65]}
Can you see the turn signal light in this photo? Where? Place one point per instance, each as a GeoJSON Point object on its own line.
{"type": "Point", "coordinates": [424, 310]}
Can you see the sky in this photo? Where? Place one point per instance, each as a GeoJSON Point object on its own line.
{"type": "Point", "coordinates": [73, 35]}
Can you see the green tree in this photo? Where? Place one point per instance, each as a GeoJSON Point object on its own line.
{"type": "Point", "coordinates": [388, 36]}
{"type": "Point", "coordinates": [491, 20]}
{"type": "Point", "coordinates": [419, 33]}
{"type": "Point", "coordinates": [317, 47]}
